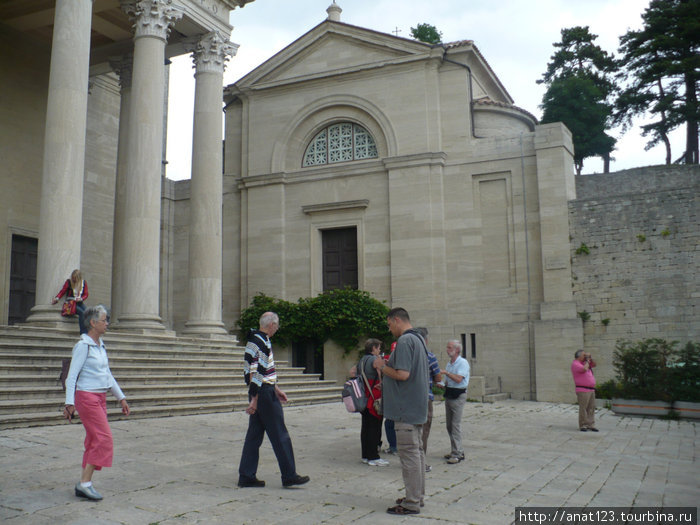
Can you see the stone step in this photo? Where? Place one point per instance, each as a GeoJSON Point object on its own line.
{"type": "Point", "coordinates": [131, 368]}
{"type": "Point", "coordinates": [54, 417]}
{"type": "Point", "coordinates": [128, 342]}
{"type": "Point", "coordinates": [498, 396]}
{"type": "Point", "coordinates": [117, 358]}
{"type": "Point", "coordinates": [154, 397]}
{"type": "Point", "coordinates": [136, 376]}
{"type": "Point", "coordinates": [23, 393]}
{"type": "Point", "coordinates": [41, 348]}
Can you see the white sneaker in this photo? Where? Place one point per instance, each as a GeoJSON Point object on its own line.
{"type": "Point", "coordinates": [365, 460]}
{"type": "Point", "coordinates": [378, 462]}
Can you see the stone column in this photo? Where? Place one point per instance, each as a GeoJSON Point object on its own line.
{"type": "Point", "coordinates": [61, 212]}
{"type": "Point", "coordinates": [124, 68]}
{"type": "Point", "coordinates": [205, 246]}
{"type": "Point", "coordinates": [139, 258]}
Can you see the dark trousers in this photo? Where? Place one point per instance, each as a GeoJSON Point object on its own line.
{"type": "Point", "coordinates": [390, 433]}
{"type": "Point", "coordinates": [370, 435]}
{"type": "Point", "coordinates": [268, 418]}
{"type": "Point", "coordinates": [80, 311]}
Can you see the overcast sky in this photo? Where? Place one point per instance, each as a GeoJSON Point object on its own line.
{"type": "Point", "coordinates": [514, 36]}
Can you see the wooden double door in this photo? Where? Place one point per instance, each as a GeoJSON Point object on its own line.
{"type": "Point", "coordinates": [22, 278]}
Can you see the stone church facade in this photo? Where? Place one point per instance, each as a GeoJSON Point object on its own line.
{"type": "Point", "coordinates": [459, 207]}
{"type": "Point", "coordinates": [351, 157]}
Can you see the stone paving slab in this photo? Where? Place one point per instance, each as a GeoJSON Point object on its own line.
{"type": "Point", "coordinates": [183, 470]}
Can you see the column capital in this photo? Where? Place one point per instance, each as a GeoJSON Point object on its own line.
{"type": "Point", "coordinates": [152, 18]}
{"type": "Point", "coordinates": [123, 66]}
{"type": "Point", "coordinates": [211, 52]}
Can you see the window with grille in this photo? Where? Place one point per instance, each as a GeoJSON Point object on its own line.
{"type": "Point", "coordinates": [341, 142]}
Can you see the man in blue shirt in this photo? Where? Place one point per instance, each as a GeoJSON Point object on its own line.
{"type": "Point", "coordinates": [456, 380]}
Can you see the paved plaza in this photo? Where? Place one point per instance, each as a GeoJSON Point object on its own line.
{"type": "Point", "coordinates": [183, 470]}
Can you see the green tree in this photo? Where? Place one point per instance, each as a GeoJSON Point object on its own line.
{"type": "Point", "coordinates": [427, 33]}
{"type": "Point", "coordinates": [662, 64]}
{"type": "Point", "coordinates": [579, 93]}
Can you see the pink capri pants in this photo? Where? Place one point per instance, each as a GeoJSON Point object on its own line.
{"type": "Point", "coordinates": [99, 448]}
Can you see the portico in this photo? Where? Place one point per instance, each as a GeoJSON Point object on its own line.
{"type": "Point", "coordinates": [132, 39]}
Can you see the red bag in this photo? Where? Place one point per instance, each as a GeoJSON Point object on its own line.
{"type": "Point", "coordinates": [68, 308]}
{"type": "Point", "coordinates": [374, 399]}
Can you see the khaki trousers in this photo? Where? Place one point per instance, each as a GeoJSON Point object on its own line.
{"type": "Point", "coordinates": [412, 456]}
{"type": "Point", "coordinates": [586, 409]}
{"type": "Point", "coordinates": [453, 421]}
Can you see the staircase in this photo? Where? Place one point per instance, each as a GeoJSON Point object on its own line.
{"type": "Point", "coordinates": [161, 376]}
{"type": "Point", "coordinates": [480, 390]}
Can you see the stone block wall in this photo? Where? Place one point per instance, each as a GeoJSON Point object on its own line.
{"type": "Point", "coordinates": [642, 230]}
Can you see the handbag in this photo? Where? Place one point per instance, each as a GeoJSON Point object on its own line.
{"type": "Point", "coordinates": [68, 308]}
{"type": "Point", "coordinates": [375, 402]}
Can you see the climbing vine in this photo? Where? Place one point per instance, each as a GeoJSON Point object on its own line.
{"type": "Point", "coordinates": [346, 316]}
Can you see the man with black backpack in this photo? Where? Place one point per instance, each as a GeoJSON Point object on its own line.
{"type": "Point", "coordinates": [405, 395]}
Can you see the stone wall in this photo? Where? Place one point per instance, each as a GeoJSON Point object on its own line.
{"type": "Point", "coordinates": [642, 229]}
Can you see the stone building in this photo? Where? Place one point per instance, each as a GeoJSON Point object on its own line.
{"type": "Point", "coordinates": [360, 158]}
{"type": "Point", "coordinates": [351, 157]}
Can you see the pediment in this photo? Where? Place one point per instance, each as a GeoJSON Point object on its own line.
{"type": "Point", "coordinates": [332, 48]}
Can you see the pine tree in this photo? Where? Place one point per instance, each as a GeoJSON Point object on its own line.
{"type": "Point", "coordinates": [662, 62]}
{"type": "Point", "coordinates": [579, 91]}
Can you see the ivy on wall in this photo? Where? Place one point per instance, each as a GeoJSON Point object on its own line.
{"type": "Point", "coordinates": [346, 316]}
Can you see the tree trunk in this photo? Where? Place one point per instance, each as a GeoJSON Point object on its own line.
{"type": "Point", "coordinates": [667, 144]}
{"type": "Point", "coordinates": [691, 136]}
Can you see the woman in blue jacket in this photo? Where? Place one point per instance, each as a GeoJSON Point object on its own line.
{"type": "Point", "coordinates": [89, 379]}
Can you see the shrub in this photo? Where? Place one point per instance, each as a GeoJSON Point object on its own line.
{"type": "Point", "coordinates": [607, 390]}
{"type": "Point", "coordinates": [346, 316]}
{"type": "Point", "coordinates": [655, 369]}
{"type": "Point", "coordinates": [685, 373]}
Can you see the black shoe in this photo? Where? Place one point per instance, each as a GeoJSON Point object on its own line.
{"type": "Point", "coordinates": [298, 480]}
{"type": "Point", "coordinates": [593, 429]}
{"type": "Point", "coordinates": [252, 483]}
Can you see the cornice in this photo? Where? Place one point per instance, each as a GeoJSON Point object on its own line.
{"type": "Point", "coordinates": [437, 158]}
{"type": "Point", "coordinates": [335, 206]}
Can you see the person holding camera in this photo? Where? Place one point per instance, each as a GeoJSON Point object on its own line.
{"type": "Point", "coordinates": [584, 380]}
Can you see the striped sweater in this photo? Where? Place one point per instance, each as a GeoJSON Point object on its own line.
{"type": "Point", "coordinates": [259, 364]}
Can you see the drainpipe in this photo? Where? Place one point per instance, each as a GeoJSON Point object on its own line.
{"type": "Point", "coordinates": [530, 345]}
